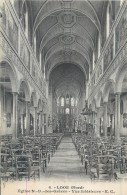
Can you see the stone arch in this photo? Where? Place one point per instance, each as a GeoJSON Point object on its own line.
{"type": "Point", "coordinates": [122, 71]}
{"type": "Point", "coordinates": [10, 70]}
{"type": "Point", "coordinates": [44, 107]}
{"type": "Point", "coordinates": [109, 85]}
{"type": "Point", "coordinates": [26, 89]}
{"type": "Point", "coordinates": [34, 96]}
{"type": "Point", "coordinates": [99, 98]}
{"type": "Point", "coordinates": [72, 62]}
{"type": "Point", "coordinates": [39, 105]}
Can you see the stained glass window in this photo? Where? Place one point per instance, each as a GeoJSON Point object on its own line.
{"type": "Point", "coordinates": [67, 111]}
{"type": "Point", "coordinates": [67, 99]}
{"type": "Point", "coordinates": [76, 102]}
{"type": "Point", "coordinates": [72, 101]}
{"type": "Point", "coordinates": [62, 101]}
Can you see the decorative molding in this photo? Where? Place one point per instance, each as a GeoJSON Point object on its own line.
{"type": "Point", "coordinates": [68, 52]}
{"type": "Point", "coordinates": [67, 39]}
{"type": "Point", "coordinates": [120, 58]}
{"type": "Point", "coordinates": [67, 19]}
{"type": "Point", "coordinates": [13, 57]}
{"type": "Point", "coordinates": [107, 61]}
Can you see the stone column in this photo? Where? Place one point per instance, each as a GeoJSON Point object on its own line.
{"type": "Point", "coordinates": [15, 114]}
{"type": "Point", "coordinates": [93, 118]}
{"type": "Point", "coordinates": [117, 116]}
{"type": "Point", "coordinates": [40, 122]}
{"type": "Point", "coordinates": [35, 120]}
{"type": "Point", "coordinates": [113, 125]}
{"type": "Point", "coordinates": [27, 118]}
{"type": "Point", "coordinates": [50, 130]}
{"type": "Point", "coordinates": [105, 118]}
{"type": "Point", "coordinates": [19, 39]}
{"type": "Point", "coordinates": [98, 123]}
{"type": "Point", "coordinates": [22, 123]}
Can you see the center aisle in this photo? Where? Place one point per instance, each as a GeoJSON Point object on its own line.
{"type": "Point", "coordinates": [66, 164]}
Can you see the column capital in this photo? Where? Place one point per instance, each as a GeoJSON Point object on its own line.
{"type": "Point", "coordinates": [15, 93]}
{"type": "Point", "coordinates": [117, 93]}
{"type": "Point", "coordinates": [105, 102]}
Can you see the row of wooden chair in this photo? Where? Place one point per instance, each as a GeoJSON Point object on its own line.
{"type": "Point", "coordinates": [27, 156]}
{"type": "Point", "coordinates": [102, 158]}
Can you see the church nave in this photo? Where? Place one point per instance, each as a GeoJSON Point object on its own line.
{"type": "Point", "coordinates": [66, 165]}
{"type": "Point", "coordinates": [63, 91]}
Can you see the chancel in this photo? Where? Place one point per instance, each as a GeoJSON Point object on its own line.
{"type": "Point", "coordinates": [63, 90]}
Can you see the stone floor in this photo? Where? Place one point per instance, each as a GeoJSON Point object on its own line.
{"type": "Point", "coordinates": [65, 165]}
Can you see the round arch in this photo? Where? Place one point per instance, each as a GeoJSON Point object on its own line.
{"type": "Point", "coordinates": [10, 70]}
{"type": "Point", "coordinates": [34, 98]}
{"type": "Point", "coordinates": [58, 64]}
{"type": "Point", "coordinates": [39, 105]}
{"type": "Point", "coordinates": [24, 86]}
{"type": "Point", "coordinates": [76, 48]}
{"type": "Point", "coordinates": [107, 89]}
{"type": "Point", "coordinates": [122, 71]}
{"type": "Point", "coordinates": [99, 97]}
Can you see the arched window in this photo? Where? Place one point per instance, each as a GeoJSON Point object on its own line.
{"type": "Point", "coordinates": [40, 59]}
{"type": "Point", "coordinates": [35, 44]}
{"type": "Point", "coordinates": [93, 60]}
{"type": "Point", "coordinates": [76, 102]}
{"type": "Point", "coordinates": [121, 2]}
{"type": "Point", "coordinates": [108, 19]}
{"type": "Point", "coordinates": [25, 18]}
{"type": "Point", "coordinates": [67, 99]}
{"type": "Point", "coordinates": [62, 101]}
{"type": "Point", "coordinates": [99, 45]}
{"type": "Point", "coordinates": [72, 101]}
{"type": "Point", "coordinates": [67, 111]}
{"type": "Point", "coordinates": [107, 22]}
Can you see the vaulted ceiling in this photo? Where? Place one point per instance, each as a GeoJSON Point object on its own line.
{"type": "Point", "coordinates": [66, 33]}
{"type": "Point", "coordinates": [66, 29]}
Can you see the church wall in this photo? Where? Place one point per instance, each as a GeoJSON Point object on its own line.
{"type": "Point", "coordinates": [6, 117]}
{"type": "Point", "coordinates": [123, 130]}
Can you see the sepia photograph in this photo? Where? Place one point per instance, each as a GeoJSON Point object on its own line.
{"type": "Point", "coordinates": [63, 97]}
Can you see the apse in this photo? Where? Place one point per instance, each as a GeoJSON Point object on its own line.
{"type": "Point", "coordinates": [67, 93]}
